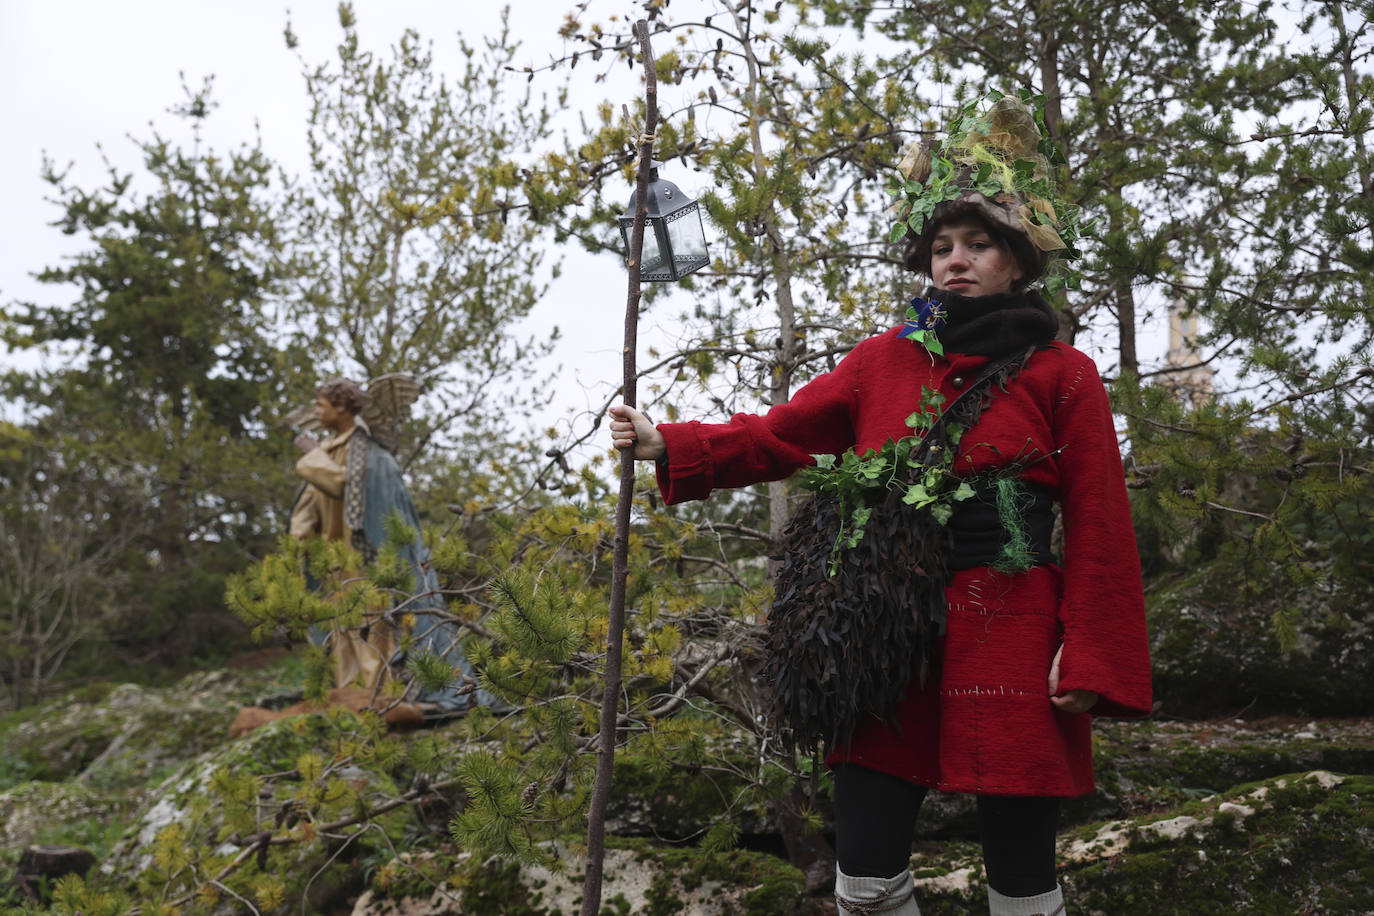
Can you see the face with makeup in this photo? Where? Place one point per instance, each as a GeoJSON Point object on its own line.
{"type": "Point", "coordinates": [967, 258]}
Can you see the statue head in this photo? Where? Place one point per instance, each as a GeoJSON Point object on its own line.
{"type": "Point", "coordinates": [342, 393]}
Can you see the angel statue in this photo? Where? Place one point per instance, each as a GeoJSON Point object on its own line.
{"type": "Point", "coordinates": [352, 484]}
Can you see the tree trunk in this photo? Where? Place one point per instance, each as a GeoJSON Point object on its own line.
{"type": "Point", "coordinates": [1049, 77]}
{"type": "Point", "coordinates": [780, 387]}
{"type": "Point", "coordinates": [1123, 296]}
{"type": "Point", "coordinates": [1352, 99]}
{"type": "Point", "coordinates": [1125, 317]}
{"type": "Point", "coordinates": [40, 867]}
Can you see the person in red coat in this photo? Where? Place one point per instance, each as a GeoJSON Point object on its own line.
{"type": "Point", "coordinates": [1028, 656]}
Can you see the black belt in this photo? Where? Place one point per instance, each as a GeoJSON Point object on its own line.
{"type": "Point", "coordinates": [979, 535]}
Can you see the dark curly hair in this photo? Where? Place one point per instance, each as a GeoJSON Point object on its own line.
{"type": "Point", "coordinates": [342, 392]}
{"type": "Point", "coordinates": [998, 219]}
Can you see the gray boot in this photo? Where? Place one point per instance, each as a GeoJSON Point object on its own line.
{"type": "Point", "coordinates": [1050, 903]}
{"type": "Point", "coordinates": [893, 896]}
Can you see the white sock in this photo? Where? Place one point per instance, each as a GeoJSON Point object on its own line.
{"type": "Point", "coordinates": [893, 896]}
{"type": "Point", "coordinates": [1050, 903]}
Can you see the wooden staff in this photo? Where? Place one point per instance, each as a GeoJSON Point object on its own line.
{"type": "Point", "coordinates": [605, 760]}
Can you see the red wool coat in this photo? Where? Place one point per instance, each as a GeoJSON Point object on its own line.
{"type": "Point", "coordinates": [984, 722]}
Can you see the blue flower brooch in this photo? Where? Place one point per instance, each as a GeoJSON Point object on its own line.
{"type": "Point", "coordinates": [925, 319]}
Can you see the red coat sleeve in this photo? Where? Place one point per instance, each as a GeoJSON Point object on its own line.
{"type": "Point", "coordinates": [751, 448]}
{"type": "Point", "coordinates": [1103, 607]}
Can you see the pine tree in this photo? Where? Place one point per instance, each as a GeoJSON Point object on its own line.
{"type": "Point", "coordinates": [532, 602]}
{"type": "Point", "coordinates": [1227, 168]}
{"type": "Point", "coordinates": [418, 258]}
{"type": "Point", "coordinates": [164, 366]}
{"type": "Point", "coordinates": [1272, 483]}
{"type": "Point", "coordinates": [1124, 86]}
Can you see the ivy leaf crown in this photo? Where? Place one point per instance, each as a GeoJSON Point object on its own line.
{"type": "Point", "coordinates": [998, 146]}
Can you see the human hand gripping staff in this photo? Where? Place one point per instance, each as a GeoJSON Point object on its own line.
{"type": "Point", "coordinates": [1015, 645]}
{"type": "Point", "coordinates": [629, 427]}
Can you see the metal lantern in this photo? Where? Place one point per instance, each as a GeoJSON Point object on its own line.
{"type": "Point", "coordinates": [674, 239]}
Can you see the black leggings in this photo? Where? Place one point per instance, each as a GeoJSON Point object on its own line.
{"type": "Point", "coordinates": [875, 815]}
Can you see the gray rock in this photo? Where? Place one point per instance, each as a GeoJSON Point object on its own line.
{"type": "Point", "coordinates": [641, 878]}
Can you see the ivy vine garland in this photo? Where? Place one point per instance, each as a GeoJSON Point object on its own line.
{"type": "Point", "coordinates": [862, 482]}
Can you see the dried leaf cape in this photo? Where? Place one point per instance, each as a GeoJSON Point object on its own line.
{"type": "Point", "coordinates": [843, 647]}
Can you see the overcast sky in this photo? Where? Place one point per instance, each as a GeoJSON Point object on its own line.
{"type": "Point", "coordinates": [81, 73]}
{"type": "Point", "coordinates": [77, 73]}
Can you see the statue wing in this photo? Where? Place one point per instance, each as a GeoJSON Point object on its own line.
{"type": "Point", "coordinates": [388, 406]}
{"type": "Point", "coordinates": [303, 419]}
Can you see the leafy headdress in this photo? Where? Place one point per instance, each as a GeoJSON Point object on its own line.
{"type": "Point", "coordinates": [994, 163]}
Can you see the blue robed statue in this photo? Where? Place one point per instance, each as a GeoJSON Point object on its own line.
{"type": "Point", "coordinates": [352, 484]}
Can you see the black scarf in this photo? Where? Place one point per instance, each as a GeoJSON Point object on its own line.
{"type": "Point", "coordinates": [996, 324]}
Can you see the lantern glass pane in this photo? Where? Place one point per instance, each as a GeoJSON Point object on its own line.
{"type": "Point", "coordinates": [686, 241]}
{"type": "Point", "coordinates": [653, 257]}
{"type": "Point", "coordinates": [686, 237]}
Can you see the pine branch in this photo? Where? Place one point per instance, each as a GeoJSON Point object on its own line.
{"type": "Point", "coordinates": [1366, 372]}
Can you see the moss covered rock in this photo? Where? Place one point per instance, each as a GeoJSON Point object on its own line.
{"type": "Point", "coordinates": [639, 877]}
{"type": "Point", "coordinates": [118, 737]}
{"type": "Point", "coordinates": [1301, 843]}
{"type": "Point", "coordinates": [154, 769]}
{"type": "Point", "coordinates": [1155, 765]}
{"type": "Point", "coordinates": [60, 814]}
{"type": "Point", "coordinates": [213, 811]}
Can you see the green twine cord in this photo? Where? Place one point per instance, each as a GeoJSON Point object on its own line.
{"type": "Point", "coordinates": [1013, 498]}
